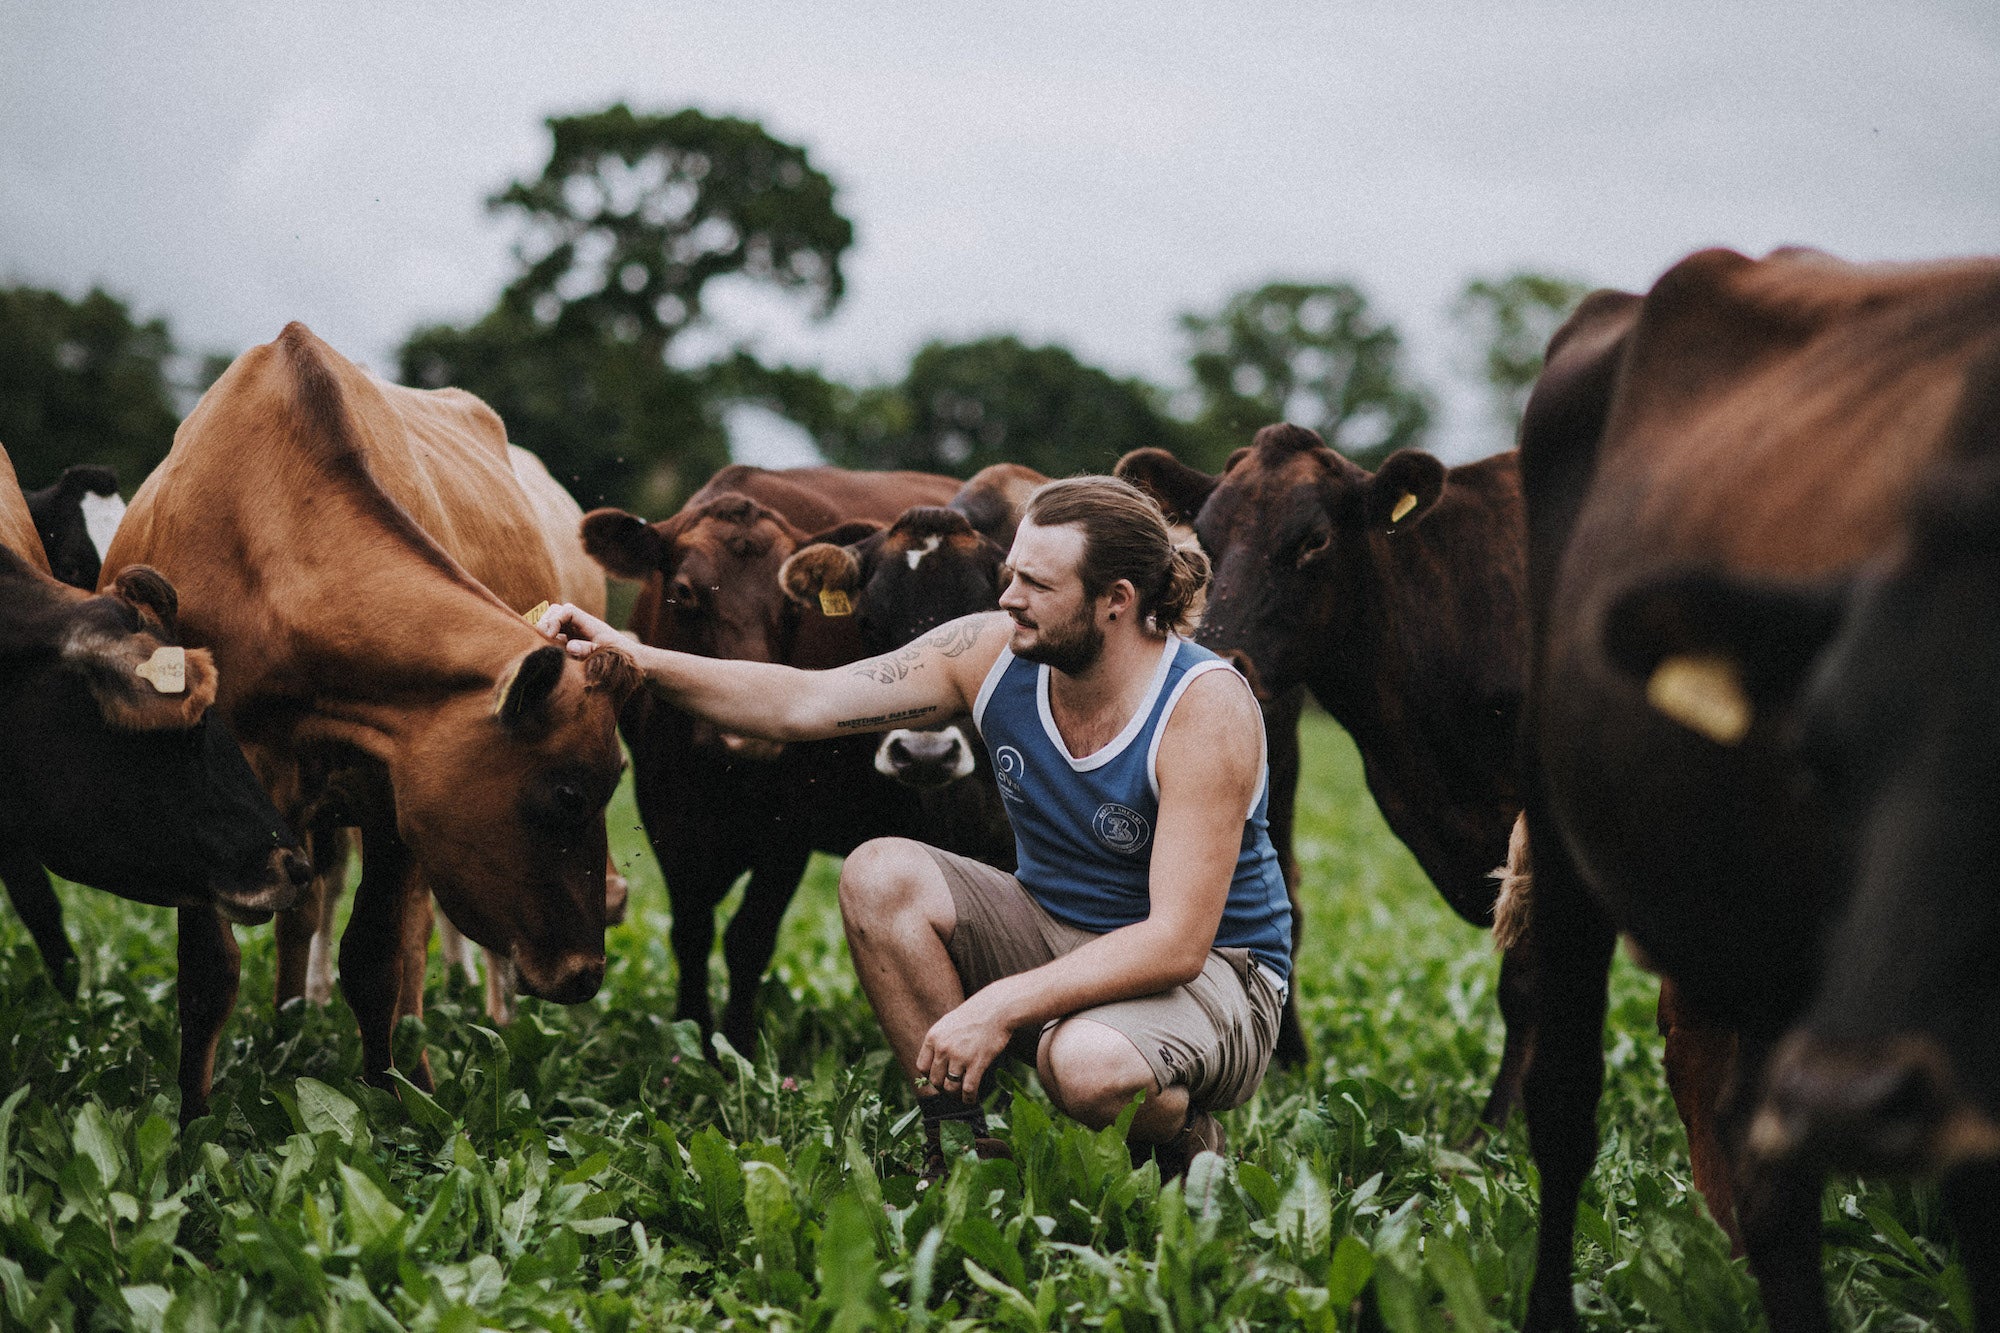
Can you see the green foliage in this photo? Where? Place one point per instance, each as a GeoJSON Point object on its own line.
{"type": "Point", "coordinates": [83, 382]}
{"type": "Point", "coordinates": [621, 234]}
{"type": "Point", "coordinates": [589, 1169]}
{"type": "Point", "coordinates": [1512, 320]}
{"type": "Point", "coordinates": [964, 406]}
{"type": "Point", "coordinates": [1313, 354]}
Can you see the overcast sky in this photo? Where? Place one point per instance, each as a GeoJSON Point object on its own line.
{"type": "Point", "coordinates": [1079, 173]}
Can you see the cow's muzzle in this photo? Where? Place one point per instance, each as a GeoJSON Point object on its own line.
{"type": "Point", "coordinates": [1878, 1104]}
{"type": "Point", "coordinates": [275, 887]}
{"type": "Point", "coordinates": [568, 978]}
{"type": "Point", "coordinates": [925, 758]}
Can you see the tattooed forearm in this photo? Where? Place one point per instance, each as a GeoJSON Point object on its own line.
{"type": "Point", "coordinates": [954, 639]}
{"type": "Point", "coordinates": [882, 719]}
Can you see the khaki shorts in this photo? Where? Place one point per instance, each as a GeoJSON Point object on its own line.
{"type": "Point", "coordinates": [1213, 1035]}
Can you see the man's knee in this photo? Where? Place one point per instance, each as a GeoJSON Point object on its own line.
{"type": "Point", "coordinates": [1093, 1071]}
{"type": "Point", "coordinates": [886, 878]}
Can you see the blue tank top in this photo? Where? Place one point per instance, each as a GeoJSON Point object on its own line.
{"type": "Point", "coordinates": [1083, 828]}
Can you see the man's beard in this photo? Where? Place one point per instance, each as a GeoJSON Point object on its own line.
{"type": "Point", "coordinates": [1072, 647]}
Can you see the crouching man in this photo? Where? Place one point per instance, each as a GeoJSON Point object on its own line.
{"type": "Point", "coordinates": [1144, 944]}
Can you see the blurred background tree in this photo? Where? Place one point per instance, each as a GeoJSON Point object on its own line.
{"type": "Point", "coordinates": [963, 406]}
{"type": "Point", "coordinates": [629, 222]}
{"type": "Point", "coordinates": [1313, 354]}
{"type": "Point", "coordinates": [83, 382]}
{"type": "Point", "coordinates": [1511, 320]}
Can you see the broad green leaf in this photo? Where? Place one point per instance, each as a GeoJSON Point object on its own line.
{"type": "Point", "coordinates": [96, 1140]}
{"type": "Point", "coordinates": [372, 1219]}
{"type": "Point", "coordinates": [1306, 1214]}
{"type": "Point", "coordinates": [1348, 1273]}
{"type": "Point", "coordinates": [323, 1108]}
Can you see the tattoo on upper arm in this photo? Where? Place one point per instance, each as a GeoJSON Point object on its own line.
{"type": "Point", "coordinates": [892, 667]}
{"type": "Point", "coordinates": [954, 639]}
{"type": "Point", "coordinates": [879, 719]}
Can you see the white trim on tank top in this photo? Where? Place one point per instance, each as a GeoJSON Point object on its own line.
{"type": "Point", "coordinates": [1173, 701]}
{"type": "Point", "coordinates": [987, 686]}
{"type": "Point", "coordinates": [1104, 754]}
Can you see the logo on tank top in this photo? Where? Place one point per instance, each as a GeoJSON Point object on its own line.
{"type": "Point", "coordinates": [1008, 769]}
{"type": "Point", "coordinates": [1121, 828]}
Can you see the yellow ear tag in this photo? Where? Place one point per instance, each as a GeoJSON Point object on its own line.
{"type": "Point", "coordinates": [1704, 694]}
{"type": "Point", "coordinates": [534, 617]}
{"type": "Point", "coordinates": [833, 602]}
{"type": "Point", "coordinates": [165, 670]}
{"type": "Point", "coordinates": [1403, 508]}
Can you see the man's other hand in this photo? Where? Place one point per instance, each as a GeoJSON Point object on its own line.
{"type": "Point", "coordinates": [961, 1046]}
{"type": "Point", "coordinates": [582, 632]}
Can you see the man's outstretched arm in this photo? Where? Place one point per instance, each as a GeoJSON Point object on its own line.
{"type": "Point", "coordinates": [920, 684]}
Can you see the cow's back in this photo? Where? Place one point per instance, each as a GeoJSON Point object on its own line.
{"type": "Point", "coordinates": [17, 525]}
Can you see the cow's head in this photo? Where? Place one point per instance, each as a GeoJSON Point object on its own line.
{"type": "Point", "coordinates": [928, 567]}
{"type": "Point", "coordinates": [1878, 693]}
{"type": "Point", "coordinates": [501, 792]}
{"type": "Point", "coordinates": [1295, 535]}
{"type": "Point", "coordinates": [75, 518]}
{"type": "Point", "coordinates": [121, 777]}
{"type": "Point", "coordinates": [711, 571]}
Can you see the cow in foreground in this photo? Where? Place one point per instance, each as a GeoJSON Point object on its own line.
{"type": "Point", "coordinates": [1764, 550]}
{"type": "Point", "coordinates": [716, 805]}
{"type": "Point", "coordinates": [76, 516]}
{"type": "Point", "coordinates": [116, 773]}
{"type": "Point", "coordinates": [309, 514]}
{"type": "Point", "coordinates": [1398, 598]}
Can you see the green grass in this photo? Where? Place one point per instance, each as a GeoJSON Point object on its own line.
{"type": "Point", "coordinates": [588, 1168]}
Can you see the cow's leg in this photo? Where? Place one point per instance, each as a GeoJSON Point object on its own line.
{"type": "Point", "coordinates": [1701, 1066]}
{"type": "Point", "coordinates": [692, 895]}
{"type": "Point", "coordinates": [1569, 947]}
{"type": "Point", "coordinates": [455, 952]}
{"type": "Point", "coordinates": [753, 937]}
{"type": "Point", "coordinates": [1972, 1201]}
{"type": "Point", "coordinates": [1517, 1014]}
{"type": "Point", "coordinates": [501, 984]}
{"type": "Point", "coordinates": [1281, 734]}
{"type": "Point", "coordinates": [211, 966]}
{"type": "Point", "coordinates": [305, 932]}
{"type": "Point", "coordinates": [382, 954]}
{"type": "Point", "coordinates": [35, 900]}
{"type": "Point", "coordinates": [1777, 1206]}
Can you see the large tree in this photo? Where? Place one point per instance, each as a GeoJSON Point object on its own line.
{"type": "Point", "coordinates": [620, 236]}
{"type": "Point", "coordinates": [1313, 354]}
{"type": "Point", "coordinates": [83, 382]}
{"type": "Point", "coordinates": [1510, 319]}
{"type": "Point", "coordinates": [965, 405]}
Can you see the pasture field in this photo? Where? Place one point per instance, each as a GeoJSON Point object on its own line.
{"type": "Point", "coordinates": [588, 1169]}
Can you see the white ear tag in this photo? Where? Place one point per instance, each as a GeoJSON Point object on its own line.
{"type": "Point", "coordinates": [166, 670]}
{"type": "Point", "coordinates": [1704, 694]}
{"type": "Point", "coordinates": [1403, 508]}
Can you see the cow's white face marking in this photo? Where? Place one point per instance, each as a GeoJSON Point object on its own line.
{"type": "Point", "coordinates": [101, 514]}
{"type": "Point", "coordinates": [917, 557]}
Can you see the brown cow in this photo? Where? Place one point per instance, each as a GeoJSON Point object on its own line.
{"type": "Point", "coordinates": [113, 769]}
{"type": "Point", "coordinates": [310, 514]}
{"type": "Point", "coordinates": [716, 805]}
{"type": "Point", "coordinates": [1398, 599]}
{"type": "Point", "coordinates": [1763, 509]}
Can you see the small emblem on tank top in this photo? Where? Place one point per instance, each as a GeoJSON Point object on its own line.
{"type": "Point", "coordinates": [1121, 828]}
{"type": "Point", "coordinates": [1008, 769]}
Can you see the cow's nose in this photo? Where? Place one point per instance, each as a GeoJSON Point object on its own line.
{"type": "Point", "coordinates": [899, 751]}
{"type": "Point", "coordinates": [1875, 1104]}
{"type": "Point", "coordinates": [295, 867]}
{"type": "Point", "coordinates": [571, 978]}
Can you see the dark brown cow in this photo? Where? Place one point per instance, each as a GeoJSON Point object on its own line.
{"type": "Point", "coordinates": [714, 805]}
{"type": "Point", "coordinates": [1398, 598]}
{"type": "Point", "coordinates": [308, 513]}
{"type": "Point", "coordinates": [115, 773]}
{"type": "Point", "coordinates": [1764, 546]}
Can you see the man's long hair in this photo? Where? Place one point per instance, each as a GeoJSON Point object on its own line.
{"type": "Point", "coordinates": [1125, 537]}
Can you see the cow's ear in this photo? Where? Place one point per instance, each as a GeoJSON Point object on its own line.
{"type": "Point", "coordinates": [141, 684]}
{"type": "Point", "coordinates": [1178, 489]}
{"type": "Point", "coordinates": [521, 698]}
{"type": "Point", "coordinates": [1403, 489]}
{"type": "Point", "coordinates": [142, 585]}
{"type": "Point", "coordinates": [1716, 653]}
{"type": "Point", "coordinates": [614, 673]}
{"type": "Point", "coordinates": [625, 544]}
{"type": "Point", "coordinates": [817, 569]}
{"type": "Point", "coordinates": [80, 479]}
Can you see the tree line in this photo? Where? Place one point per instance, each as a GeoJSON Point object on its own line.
{"type": "Point", "coordinates": [618, 241]}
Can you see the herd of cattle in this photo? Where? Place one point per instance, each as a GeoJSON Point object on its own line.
{"type": "Point", "coordinates": [1709, 662]}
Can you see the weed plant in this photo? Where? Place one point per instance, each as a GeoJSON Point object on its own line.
{"type": "Point", "coordinates": [597, 1168]}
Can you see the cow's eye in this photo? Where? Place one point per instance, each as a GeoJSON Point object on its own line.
{"type": "Point", "coordinates": [682, 594]}
{"type": "Point", "coordinates": [569, 804]}
{"type": "Point", "coordinates": [1311, 545]}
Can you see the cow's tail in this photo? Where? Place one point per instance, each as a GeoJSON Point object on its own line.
{"type": "Point", "coordinates": [1513, 912]}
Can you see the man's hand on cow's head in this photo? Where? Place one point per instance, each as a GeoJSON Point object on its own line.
{"type": "Point", "coordinates": [583, 633]}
